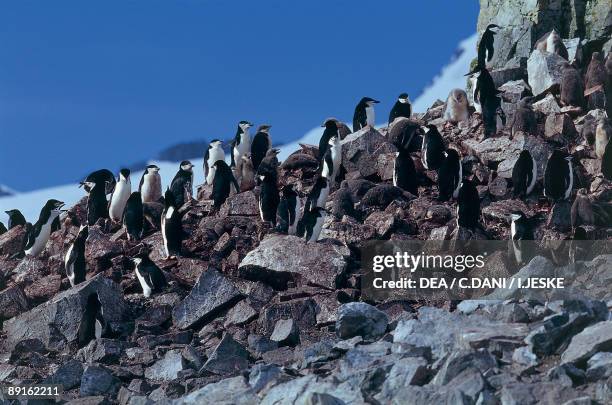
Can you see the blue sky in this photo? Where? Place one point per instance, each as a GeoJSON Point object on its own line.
{"type": "Point", "coordinates": [85, 86]}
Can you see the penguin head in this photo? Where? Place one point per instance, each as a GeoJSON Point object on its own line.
{"type": "Point", "coordinates": [220, 164]}
{"type": "Point", "coordinates": [54, 206]}
{"type": "Point", "coordinates": [186, 166]}
{"type": "Point", "coordinates": [124, 174]}
{"type": "Point", "coordinates": [12, 213]}
{"type": "Point", "coordinates": [245, 125]}
{"type": "Point", "coordinates": [492, 27]}
{"type": "Point", "coordinates": [403, 98]}
{"type": "Point", "coordinates": [331, 123]}
{"type": "Point", "coordinates": [264, 128]}
{"type": "Point", "coordinates": [151, 169]}
{"type": "Point", "coordinates": [215, 143]}
{"type": "Point", "coordinates": [368, 101]}
{"type": "Point", "coordinates": [88, 185]}
{"type": "Point", "coordinates": [272, 152]}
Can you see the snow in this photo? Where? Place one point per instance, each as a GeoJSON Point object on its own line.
{"type": "Point", "coordinates": [451, 76]}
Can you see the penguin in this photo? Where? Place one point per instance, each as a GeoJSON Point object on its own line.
{"type": "Point", "coordinates": [247, 175]}
{"type": "Point", "coordinates": [551, 42]}
{"type": "Point", "coordinates": [318, 194]}
{"type": "Point", "coordinates": [122, 192]}
{"type": "Point", "coordinates": [240, 145]}
{"type": "Point", "coordinates": [260, 145]}
{"type": "Point", "coordinates": [606, 162]}
{"type": "Point", "coordinates": [213, 153]}
{"type": "Point", "coordinates": [485, 46]}
{"type": "Point", "coordinates": [468, 205]}
{"type": "Point", "coordinates": [224, 178]}
{"type": "Point", "coordinates": [521, 229]}
{"type": "Point", "coordinates": [450, 176]}
{"type": "Point", "coordinates": [343, 203]}
{"type": "Point", "coordinates": [457, 106]}
{"type": "Point", "coordinates": [525, 118]}
{"type": "Point", "coordinates": [103, 176]}
{"type": "Point", "coordinates": [171, 226]}
{"type": "Point", "coordinates": [74, 261]}
{"type": "Point", "coordinates": [603, 133]}
{"type": "Point", "coordinates": [38, 234]}
{"type": "Point", "coordinates": [288, 210]}
{"type": "Point", "coordinates": [572, 88]}
{"type": "Point", "coordinates": [404, 173]}
{"type": "Point", "coordinates": [432, 150]}
{"type": "Point", "coordinates": [133, 217]}
{"type": "Point", "coordinates": [92, 325]}
{"type": "Point", "coordinates": [311, 224]}
{"type": "Point", "coordinates": [487, 95]}
{"type": "Point", "coordinates": [97, 205]}
{"type": "Point", "coordinates": [3, 229]}
{"type": "Point", "coordinates": [524, 174]}
{"type": "Point", "coordinates": [582, 210]}
{"type": "Point", "coordinates": [401, 108]}
{"type": "Point", "coordinates": [596, 74]}
{"type": "Point", "coordinates": [332, 159]}
{"type": "Point", "coordinates": [182, 184]}
{"type": "Point", "coordinates": [269, 164]}
{"type": "Point", "coordinates": [268, 198]}
{"type": "Point", "coordinates": [331, 130]}
{"type": "Point", "coordinates": [16, 218]}
{"type": "Point", "coordinates": [150, 277]}
{"type": "Point", "coordinates": [364, 113]}
{"type": "Point", "coordinates": [150, 185]}
{"type": "Point", "coordinates": [558, 176]}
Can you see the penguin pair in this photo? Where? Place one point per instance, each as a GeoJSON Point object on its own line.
{"type": "Point", "coordinates": [401, 108]}
{"type": "Point", "coordinates": [524, 175]}
{"type": "Point", "coordinates": [181, 186]}
{"type": "Point", "coordinates": [16, 218]}
{"type": "Point", "coordinates": [260, 145]}
{"type": "Point", "coordinates": [214, 152]}
{"type": "Point", "coordinates": [222, 183]}
{"type": "Point", "coordinates": [288, 210]}
{"type": "Point", "coordinates": [121, 193]}
{"type": "Point", "coordinates": [485, 46]}
{"type": "Point", "coordinates": [241, 145]}
{"type": "Point", "coordinates": [364, 114]}
{"type": "Point", "coordinates": [558, 176]}
{"type": "Point", "coordinates": [150, 277]}
{"type": "Point", "coordinates": [171, 226]}
{"type": "Point", "coordinates": [150, 187]}
{"type": "Point", "coordinates": [38, 234]}
{"type": "Point", "coordinates": [450, 176]}
{"type": "Point", "coordinates": [74, 260]}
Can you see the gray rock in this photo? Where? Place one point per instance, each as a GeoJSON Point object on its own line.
{"type": "Point", "coordinates": [301, 389]}
{"type": "Point", "coordinates": [260, 344]}
{"type": "Point", "coordinates": [97, 380]}
{"type": "Point", "coordinates": [460, 361]}
{"type": "Point", "coordinates": [544, 71]}
{"type": "Point", "coordinates": [167, 368]}
{"type": "Point", "coordinates": [263, 376]}
{"type": "Point", "coordinates": [593, 339]}
{"type": "Point", "coordinates": [360, 151]}
{"type": "Point", "coordinates": [406, 371]}
{"type": "Point", "coordinates": [101, 350]}
{"type": "Point", "coordinates": [285, 333]}
{"type": "Point", "coordinates": [360, 319]}
{"type": "Point", "coordinates": [599, 366]}
{"type": "Point", "coordinates": [548, 105]}
{"type": "Point", "coordinates": [230, 391]}
{"type": "Point", "coordinates": [567, 375]}
{"type": "Point", "coordinates": [12, 302]}
{"type": "Point", "coordinates": [228, 357]}
{"type": "Point", "coordinates": [211, 294]}
{"type": "Point", "coordinates": [525, 357]}
{"type": "Point", "coordinates": [282, 258]}
{"type": "Point", "coordinates": [242, 313]}
{"type": "Point", "coordinates": [68, 375]}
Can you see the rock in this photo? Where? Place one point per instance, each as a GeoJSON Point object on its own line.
{"type": "Point", "coordinates": [544, 71]}
{"type": "Point", "coordinates": [97, 380]}
{"type": "Point", "coordinates": [360, 319]}
{"type": "Point", "coordinates": [100, 249]}
{"type": "Point", "coordinates": [382, 222]}
{"type": "Point", "coordinates": [242, 204]}
{"type": "Point", "coordinates": [167, 368]}
{"type": "Point", "coordinates": [44, 289]}
{"type": "Point", "coordinates": [385, 166]}
{"type": "Point", "coordinates": [234, 391]}
{"type": "Point", "coordinates": [593, 339]}
{"type": "Point", "coordinates": [240, 314]}
{"type": "Point", "coordinates": [265, 375]}
{"type": "Point", "coordinates": [228, 357]}
{"type": "Point", "coordinates": [261, 344]}
{"type": "Point", "coordinates": [381, 196]}
{"type": "Point", "coordinates": [360, 151]}
{"type": "Point", "coordinates": [498, 187]}
{"type": "Point", "coordinates": [56, 322]}
{"type": "Point", "coordinates": [567, 375]}
{"type": "Point", "coordinates": [525, 357]}
{"type": "Point", "coordinates": [282, 258]}
{"type": "Point", "coordinates": [301, 390]}
{"type": "Point", "coordinates": [599, 366]}
{"type": "Point", "coordinates": [68, 375]}
{"type": "Point", "coordinates": [302, 310]}
{"type": "Point", "coordinates": [574, 50]}
{"type": "Point", "coordinates": [405, 371]}
{"type": "Point", "coordinates": [12, 241]}
{"type": "Point", "coordinates": [211, 294]}
{"type": "Point", "coordinates": [285, 333]}
{"type": "Point", "coordinates": [500, 210]}
{"type": "Point", "coordinates": [101, 350]}
{"type": "Point", "coordinates": [559, 128]}
{"type": "Point", "coordinates": [12, 302]}
{"type": "Point", "coordinates": [459, 361]}
{"type": "Point", "coordinates": [548, 105]}
{"type": "Point", "coordinates": [348, 231]}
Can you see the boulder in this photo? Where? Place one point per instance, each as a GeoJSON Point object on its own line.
{"type": "Point", "coordinates": [68, 375]}
{"type": "Point", "coordinates": [544, 71]}
{"type": "Point", "coordinates": [243, 204]}
{"type": "Point", "coordinates": [360, 319]}
{"type": "Point", "coordinates": [360, 151]}
{"type": "Point", "coordinates": [228, 357]}
{"type": "Point", "coordinates": [240, 314]}
{"type": "Point", "coordinates": [285, 333]}
{"type": "Point", "coordinates": [101, 350]}
{"type": "Point", "coordinates": [548, 105]}
{"type": "Point", "coordinates": [235, 390]}
{"type": "Point", "coordinates": [593, 339]}
{"type": "Point", "coordinates": [559, 128]}
{"type": "Point", "coordinates": [98, 380]}
{"type": "Point", "coordinates": [167, 368]}
{"type": "Point", "coordinates": [11, 242]}
{"type": "Point", "coordinates": [12, 302]}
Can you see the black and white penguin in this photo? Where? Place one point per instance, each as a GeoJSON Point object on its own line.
{"type": "Point", "coordinates": [16, 218]}
{"type": "Point", "coordinates": [364, 113]}
{"type": "Point", "coordinates": [38, 235]}
{"type": "Point", "coordinates": [582, 210]}
{"type": "Point", "coordinates": [487, 95]}
{"type": "Point", "coordinates": [288, 210]}
{"type": "Point", "coordinates": [606, 162]}
{"type": "Point", "coordinates": [404, 172]}
{"type": "Point", "coordinates": [311, 224]}
{"type": "Point", "coordinates": [247, 174]}
{"type": "Point", "coordinates": [457, 106]}
{"type": "Point", "coordinates": [150, 277]}
{"type": "Point", "coordinates": [92, 325]}
{"type": "Point", "coordinates": [74, 261]}
{"type": "Point", "coordinates": [525, 118]}
{"type": "Point", "coordinates": [524, 174]}
{"type": "Point", "coordinates": [485, 46]}
{"type": "Point", "coordinates": [102, 176]}
{"type": "Point", "coordinates": [213, 153]}
{"type": "Point", "coordinates": [521, 229]}
{"type": "Point", "coordinates": [401, 108]}
{"type": "Point", "coordinates": [572, 87]}
{"type": "Point", "coordinates": [182, 184]}
{"type": "Point", "coordinates": [120, 195]}
{"type": "Point", "coordinates": [318, 194]}
{"type": "Point", "coordinates": [432, 150]}
{"type": "Point", "coordinates": [558, 176]}
{"type": "Point", "coordinates": [331, 130]}
{"type": "Point", "coordinates": [551, 42]}
{"type": "Point", "coordinates": [150, 187]}
{"type": "Point", "coordinates": [332, 159]}
{"type": "Point", "coordinates": [222, 183]}
{"type": "Point", "coordinates": [171, 226]}
{"type": "Point", "coordinates": [97, 205]}
{"type": "Point", "coordinates": [268, 198]}
{"type": "Point", "coordinates": [260, 145]}
{"type": "Point", "coordinates": [450, 175]}
{"type": "Point", "coordinates": [240, 145]}
{"type": "Point", "coordinates": [269, 164]}
{"type": "Point", "coordinates": [603, 133]}
{"type": "Point", "coordinates": [468, 205]}
{"type": "Point", "coordinates": [133, 217]}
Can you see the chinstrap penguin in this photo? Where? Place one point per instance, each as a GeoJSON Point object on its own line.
{"type": "Point", "coordinates": [182, 184]}
{"type": "Point", "coordinates": [133, 217]}
{"type": "Point", "coordinates": [404, 172]}
{"type": "Point", "coordinates": [38, 235]}
{"type": "Point", "coordinates": [432, 150]}
{"type": "Point", "coordinates": [240, 145]}
{"type": "Point", "coordinates": [16, 218]}
{"type": "Point", "coordinates": [102, 176]}
{"type": "Point", "coordinates": [521, 231]}
{"type": "Point", "coordinates": [468, 205]}
{"type": "Point", "coordinates": [74, 260]}
{"type": "Point", "coordinates": [260, 145]}
{"type": "Point", "coordinates": [450, 176]}
{"type": "Point", "coordinates": [311, 224]}
{"type": "Point", "coordinates": [318, 194]}
{"type": "Point", "coordinates": [485, 46]}
{"type": "Point", "coordinates": [524, 174]}
{"type": "Point", "coordinates": [401, 108]}
{"type": "Point", "coordinates": [332, 159]}
{"type": "Point", "coordinates": [222, 183]}
{"type": "Point", "coordinates": [150, 277]}
{"type": "Point", "coordinates": [171, 226]}
{"type": "Point", "coordinates": [558, 176]}
{"type": "Point", "coordinates": [364, 113]}
{"type": "Point", "coordinates": [457, 106]}
{"type": "Point", "coordinates": [268, 198]}
{"type": "Point", "coordinates": [97, 205]}
{"type": "Point", "coordinates": [331, 130]}
{"type": "Point", "coordinates": [288, 210]}
{"type": "Point", "coordinates": [213, 153]}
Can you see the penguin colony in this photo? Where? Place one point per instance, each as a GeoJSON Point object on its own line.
{"type": "Point", "coordinates": [425, 159]}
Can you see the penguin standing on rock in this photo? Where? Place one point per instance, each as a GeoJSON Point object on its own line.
{"type": "Point", "coordinates": [150, 277]}
{"type": "Point", "coordinates": [404, 173]}
{"type": "Point", "coordinates": [487, 95]}
{"type": "Point", "coordinates": [93, 324]}
{"type": "Point", "coordinates": [102, 176]}
{"type": "Point", "coordinates": [432, 150]}
{"type": "Point", "coordinates": [401, 108]}
{"type": "Point", "coordinates": [318, 194]}
{"type": "Point", "coordinates": [38, 235]}
{"type": "Point", "coordinates": [288, 210]}
{"type": "Point", "coordinates": [468, 205]}
{"type": "Point", "coordinates": [457, 106]}
{"type": "Point", "coordinates": [213, 153]}
{"type": "Point", "coordinates": [450, 176]}
{"type": "Point", "coordinates": [133, 217]}
{"type": "Point", "coordinates": [572, 88]}
{"type": "Point", "coordinates": [524, 174]}
{"type": "Point", "coordinates": [332, 159]}
{"type": "Point", "coordinates": [222, 183]}
{"type": "Point", "coordinates": [485, 47]}
{"type": "Point", "coordinates": [182, 184]}
{"type": "Point", "coordinates": [521, 229]}
{"type": "Point", "coordinates": [150, 185]}
{"type": "Point", "coordinates": [16, 218]}
{"type": "Point", "coordinates": [260, 145]}
{"type": "Point", "coordinates": [603, 133]}
{"type": "Point", "coordinates": [558, 176]}
{"type": "Point", "coordinates": [268, 198]}
{"type": "Point", "coordinates": [330, 131]}
{"type": "Point", "coordinates": [311, 224]}
{"type": "Point", "coordinates": [240, 145]}
{"type": "Point", "coordinates": [364, 113]}
{"type": "Point", "coordinates": [97, 206]}
{"type": "Point", "coordinates": [247, 175]}
{"type": "Point", "coordinates": [122, 192]}
{"type": "Point", "coordinates": [74, 261]}
{"type": "Point", "coordinates": [171, 226]}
